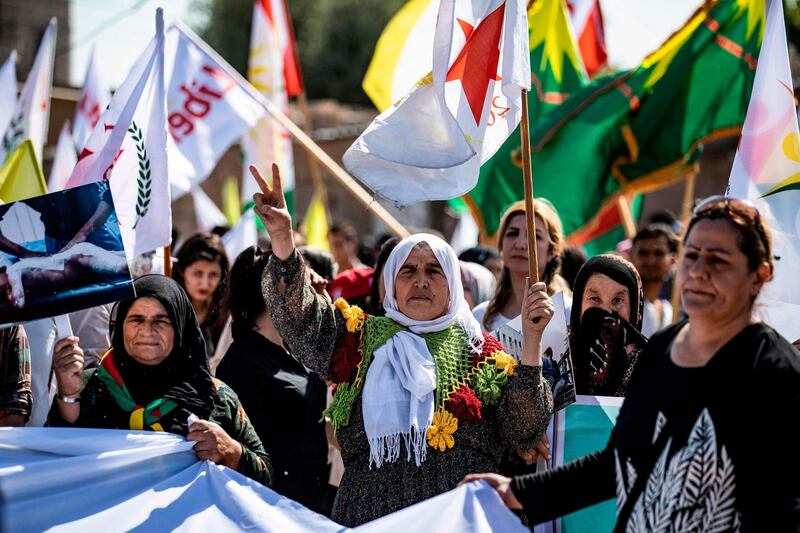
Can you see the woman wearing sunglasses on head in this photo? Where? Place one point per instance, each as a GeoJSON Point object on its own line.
{"type": "Point", "coordinates": [707, 436]}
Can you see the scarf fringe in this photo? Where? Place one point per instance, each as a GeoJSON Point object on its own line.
{"type": "Point", "coordinates": [386, 449]}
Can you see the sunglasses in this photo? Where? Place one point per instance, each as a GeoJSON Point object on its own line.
{"type": "Point", "coordinates": [739, 211]}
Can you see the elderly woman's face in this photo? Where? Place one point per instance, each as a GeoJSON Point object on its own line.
{"type": "Point", "coordinates": [148, 332]}
{"type": "Point", "coordinates": [713, 276]}
{"type": "Point", "coordinates": [421, 286]}
{"type": "Point", "coordinates": [605, 293]}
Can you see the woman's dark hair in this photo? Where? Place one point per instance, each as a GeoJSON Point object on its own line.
{"type": "Point", "coordinates": [479, 254]}
{"type": "Point", "coordinates": [375, 302]}
{"type": "Point", "coordinates": [543, 209]}
{"type": "Point", "coordinates": [205, 247]}
{"type": "Point", "coordinates": [243, 298]}
{"type": "Point", "coordinates": [755, 237]}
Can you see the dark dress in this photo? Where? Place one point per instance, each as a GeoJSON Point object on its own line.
{"type": "Point", "coordinates": [694, 449]}
{"type": "Point", "coordinates": [285, 401]}
{"type": "Point", "coordinates": [314, 329]}
{"type": "Point", "coordinates": [99, 410]}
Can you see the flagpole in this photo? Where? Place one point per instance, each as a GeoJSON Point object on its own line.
{"type": "Point", "coordinates": [626, 215]}
{"type": "Point", "coordinates": [686, 213]}
{"type": "Point", "coordinates": [527, 178]}
{"type": "Point", "coordinates": [346, 180]}
{"type": "Point", "coordinates": [168, 260]}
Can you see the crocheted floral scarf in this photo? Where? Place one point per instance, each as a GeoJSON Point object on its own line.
{"type": "Point", "coordinates": [466, 381]}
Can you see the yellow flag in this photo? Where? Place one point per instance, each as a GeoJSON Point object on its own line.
{"type": "Point", "coordinates": [231, 204]}
{"type": "Point", "coordinates": [316, 224]}
{"type": "Point", "coordinates": [403, 53]}
{"type": "Point", "coordinates": [21, 176]}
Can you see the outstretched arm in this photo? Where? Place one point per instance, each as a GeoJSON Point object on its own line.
{"type": "Point", "coordinates": [308, 323]}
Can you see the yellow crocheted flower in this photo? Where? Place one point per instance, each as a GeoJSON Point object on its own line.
{"type": "Point", "coordinates": [440, 432]}
{"type": "Point", "coordinates": [353, 314]}
{"type": "Point", "coordinates": [505, 362]}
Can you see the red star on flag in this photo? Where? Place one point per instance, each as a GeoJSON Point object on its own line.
{"type": "Point", "coordinates": [476, 64]}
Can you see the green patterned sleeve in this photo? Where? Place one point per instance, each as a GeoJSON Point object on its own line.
{"type": "Point", "coordinates": [255, 462]}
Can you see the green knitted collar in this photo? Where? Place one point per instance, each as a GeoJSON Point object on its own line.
{"type": "Point", "coordinates": [451, 354]}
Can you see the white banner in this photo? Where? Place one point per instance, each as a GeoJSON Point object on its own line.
{"type": "Point", "coordinates": [65, 479]}
{"type": "Point", "coordinates": [32, 112]}
{"type": "Point", "coordinates": [208, 108]}
{"type": "Point", "coordinates": [64, 161]}
{"type": "Point", "coordinates": [95, 96]}
{"type": "Point", "coordinates": [8, 90]}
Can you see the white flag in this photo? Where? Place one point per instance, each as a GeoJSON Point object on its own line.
{"type": "Point", "coordinates": [430, 145]}
{"type": "Point", "coordinates": [209, 107]}
{"type": "Point", "coordinates": [766, 171]}
{"type": "Point", "coordinates": [241, 236]}
{"type": "Point", "coordinates": [206, 212]}
{"type": "Point", "coordinates": [32, 112]}
{"type": "Point", "coordinates": [268, 142]}
{"type": "Point", "coordinates": [64, 160]}
{"type": "Point", "coordinates": [8, 90]}
{"type": "Point", "coordinates": [93, 101]}
{"type": "Point", "coordinates": [128, 147]}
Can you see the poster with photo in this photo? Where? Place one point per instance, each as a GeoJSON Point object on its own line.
{"type": "Point", "coordinates": [556, 359]}
{"type": "Point", "coordinates": [61, 252]}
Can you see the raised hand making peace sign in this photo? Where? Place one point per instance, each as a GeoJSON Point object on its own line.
{"type": "Point", "coordinates": [270, 206]}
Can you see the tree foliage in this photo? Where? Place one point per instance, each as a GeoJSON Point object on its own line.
{"type": "Point", "coordinates": [335, 39]}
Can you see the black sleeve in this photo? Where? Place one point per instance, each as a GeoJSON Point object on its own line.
{"type": "Point", "coordinates": [573, 486]}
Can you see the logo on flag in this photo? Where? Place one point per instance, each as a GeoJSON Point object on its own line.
{"type": "Point", "coordinates": [429, 146]}
{"type": "Point", "coordinates": [766, 171]}
{"type": "Point", "coordinates": [128, 147]}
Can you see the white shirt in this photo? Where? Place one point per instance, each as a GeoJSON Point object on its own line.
{"type": "Point", "coordinates": [651, 322]}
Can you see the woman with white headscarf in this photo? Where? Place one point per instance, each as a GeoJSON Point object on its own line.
{"type": "Point", "coordinates": [423, 396]}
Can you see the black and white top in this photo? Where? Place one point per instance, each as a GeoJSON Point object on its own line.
{"type": "Point", "coordinates": [715, 448]}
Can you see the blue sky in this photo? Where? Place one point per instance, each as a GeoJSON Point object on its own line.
{"type": "Point", "coordinates": [633, 29]}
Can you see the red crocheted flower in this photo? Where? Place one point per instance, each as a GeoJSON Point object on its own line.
{"type": "Point", "coordinates": [490, 345]}
{"type": "Point", "coordinates": [345, 359]}
{"type": "Point", "coordinates": [464, 404]}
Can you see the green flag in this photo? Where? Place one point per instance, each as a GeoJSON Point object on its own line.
{"type": "Point", "coordinates": [639, 130]}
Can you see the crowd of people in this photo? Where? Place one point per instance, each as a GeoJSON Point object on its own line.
{"type": "Point", "coordinates": [362, 381]}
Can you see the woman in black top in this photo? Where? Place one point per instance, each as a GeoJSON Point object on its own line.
{"type": "Point", "coordinates": [202, 271]}
{"type": "Point", "coordinates": [283, 399]}
{"type": "Point", "coordinates": [707, 437]}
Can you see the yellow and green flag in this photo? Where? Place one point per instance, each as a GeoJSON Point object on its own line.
{"type": "Point", "coordinates": [21, 176]}
{"type": "Point", "coordinates": [316, 223]}
{"type": "Point", "coordinates": [231, 204]}
{"type": "Point", "coordinates": [638, 130]}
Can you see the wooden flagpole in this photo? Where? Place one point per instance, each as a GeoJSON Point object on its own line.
{"type": "Point", "coordinates": [168, 260]}
{"type": "Point", "coordinates": [626, 215]}
{"type": "Point", "coordinates": [527, 178]}
{"type": "Point", "coordinates": [686, 213]}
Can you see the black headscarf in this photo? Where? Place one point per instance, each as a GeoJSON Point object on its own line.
{"type": "Point", "coordinates": [605, 346]}
{"type": "Point", "coordinates": [183, 376]}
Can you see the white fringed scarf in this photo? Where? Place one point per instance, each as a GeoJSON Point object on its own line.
{"type": "Point", "coordinates": [399, 389]}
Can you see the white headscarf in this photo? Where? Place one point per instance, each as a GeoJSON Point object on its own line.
{"type": "Point", "coordinates": [399, 388]}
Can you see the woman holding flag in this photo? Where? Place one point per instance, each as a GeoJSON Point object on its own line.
{"type": "Point", "coordinates": [707, 389]}
{"type": "Point", "coordinates": [423, 396]}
